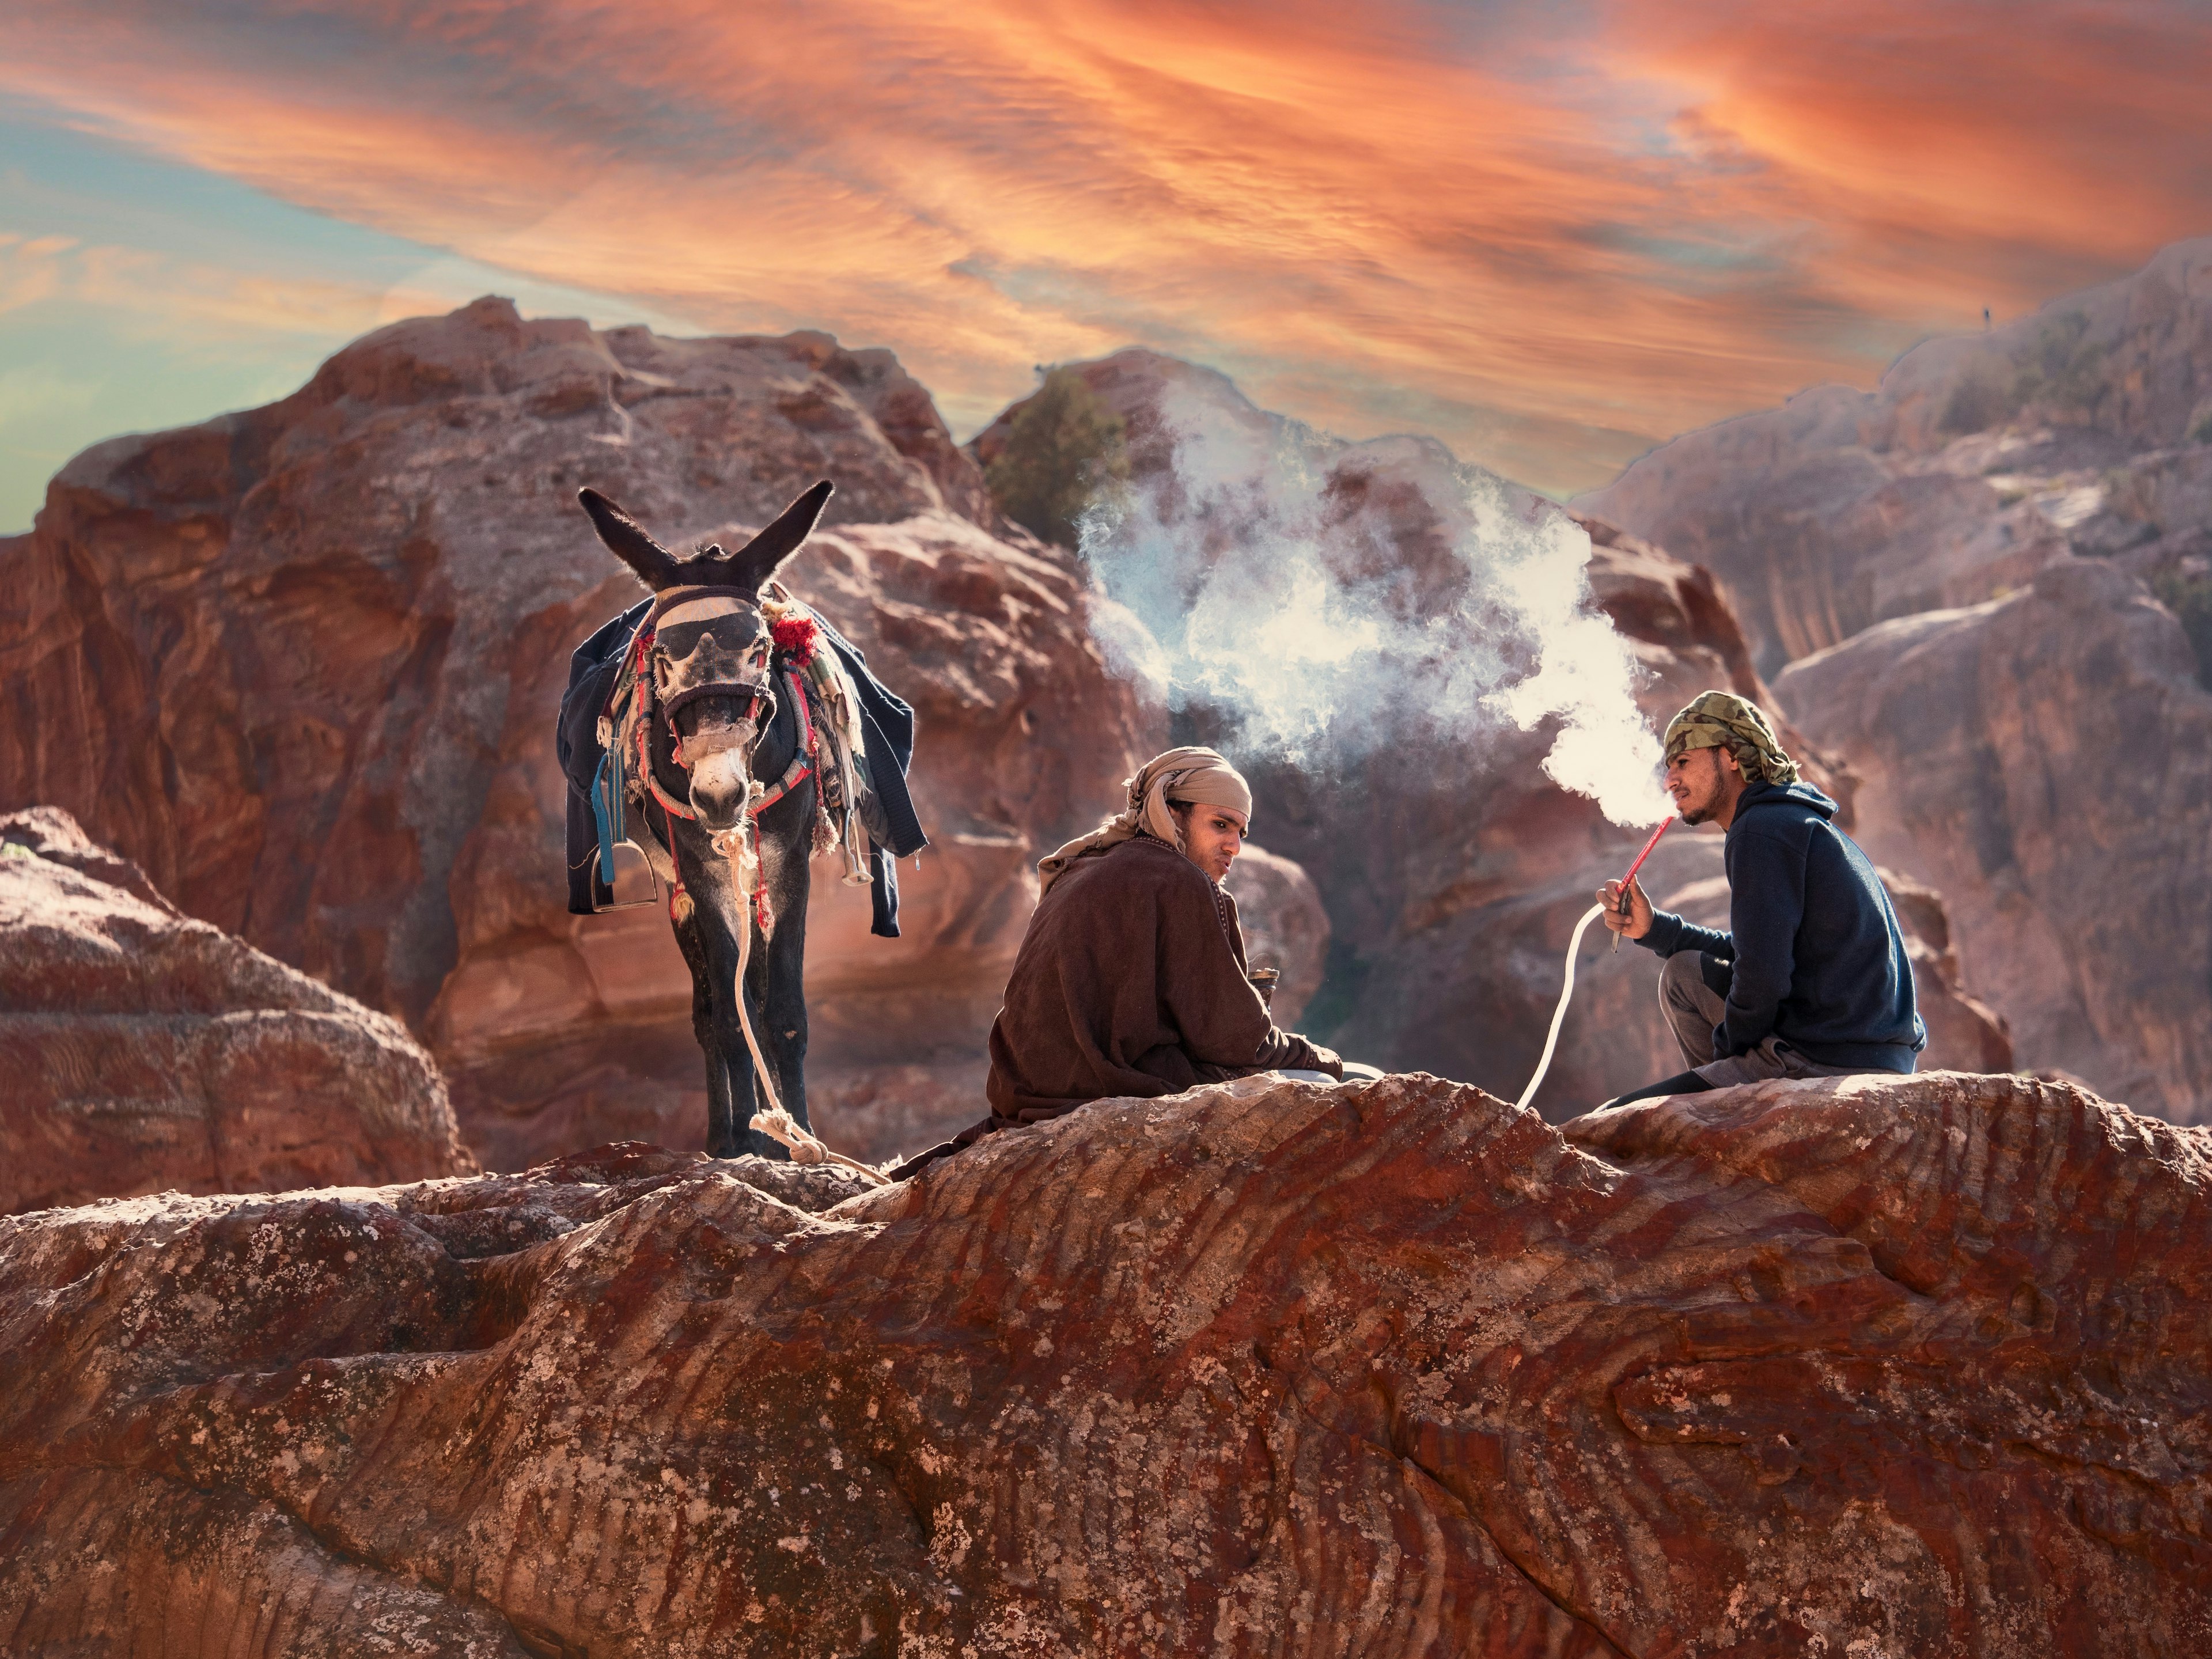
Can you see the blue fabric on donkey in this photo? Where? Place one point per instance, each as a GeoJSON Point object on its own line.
{"type": "Point", "coordinates": [746, 737]}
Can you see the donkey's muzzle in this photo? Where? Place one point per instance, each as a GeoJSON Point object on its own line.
{"type": "Point", "coordinates": [722, 785]}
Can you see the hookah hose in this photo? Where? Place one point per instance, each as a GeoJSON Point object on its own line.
{"type": "Point", "coordinates": [1575, 943]}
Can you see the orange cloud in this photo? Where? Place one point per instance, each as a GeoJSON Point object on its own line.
{"type": "Point", "coordinates": [1552, 243]}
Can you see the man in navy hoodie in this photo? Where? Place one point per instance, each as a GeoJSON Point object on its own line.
{"type": "Point", "coordinates": [1811, 979]}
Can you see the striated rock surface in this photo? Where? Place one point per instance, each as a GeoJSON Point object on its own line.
{"type": "Point", "coordinates": [141, 1050]}
{"type": "Point", "coordinates": [1903, 1366]}
{"type": "Point", "coordinates": [2045, 762]}
{"type": "Point", "coordinates": [2085, 430]}
{"type": "Point", "coordinates": [302, 665]}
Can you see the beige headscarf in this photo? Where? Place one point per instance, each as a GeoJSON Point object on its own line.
{"type": "Point", "coordinates": [1199, 776]}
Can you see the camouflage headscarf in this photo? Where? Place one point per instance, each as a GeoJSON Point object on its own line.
{"type": "Point", "coordinates": [1718, 720]}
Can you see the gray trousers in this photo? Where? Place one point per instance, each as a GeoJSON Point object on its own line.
{"type": "Point", "coordinates": [1693, 1006]}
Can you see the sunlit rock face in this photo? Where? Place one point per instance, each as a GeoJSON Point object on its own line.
{"type": "Point", "coordinates": [2045, 760]}
{"type": "Point", "coordinates": [1896, 1365]}
{"type": "Point", "coordinates": [142, 1051]}
{"type": "Point", "coordinates": [302, 663]}
{"type": "Point", "coordinates": [2084, 430]}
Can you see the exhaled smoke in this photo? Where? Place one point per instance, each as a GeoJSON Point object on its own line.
{"type": "Point", "coordinates": [1330, 598]}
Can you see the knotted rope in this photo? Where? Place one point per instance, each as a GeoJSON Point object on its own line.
{"type": "Point", "coordinates": [738, 848]}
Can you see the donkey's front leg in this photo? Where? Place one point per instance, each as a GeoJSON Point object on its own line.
{"type": "Point", "coordinates": [779, 961]}
{"type": "Point", "coordinates": [722, 1138]}
{"type": "Point", "coordinates": [745, 1098]}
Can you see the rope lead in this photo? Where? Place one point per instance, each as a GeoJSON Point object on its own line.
{"type": "Point", "coordinates": [1559, 1013]}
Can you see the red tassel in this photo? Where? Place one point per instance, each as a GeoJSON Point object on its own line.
{"type": "Point", "coordinates": [796, 637]}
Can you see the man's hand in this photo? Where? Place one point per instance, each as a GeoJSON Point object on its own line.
{"type": "Point", "coordinates": [1632, 919]}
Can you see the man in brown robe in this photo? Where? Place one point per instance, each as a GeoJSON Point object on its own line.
{"type": "Point", "coordinates": [1132, 979]}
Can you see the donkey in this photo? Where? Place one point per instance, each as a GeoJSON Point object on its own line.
{"type": "Point", "coordinates": [720, 725]}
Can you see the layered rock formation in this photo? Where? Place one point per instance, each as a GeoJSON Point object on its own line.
{"type": "Point", "coordinates": [1285, 927]}
{"type": "Point", "coordinates": [2046, 761]}
{"type": "Point", "coordinates": [301, 663]}
{"type": "Point", "coordinates": [141, 1050]}
{"type": "Point", "coordinates": [1873, 1365]}
{"type": "Point", "coordinates": [2085, 430]}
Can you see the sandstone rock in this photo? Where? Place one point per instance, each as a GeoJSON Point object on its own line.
{"type": "Point", "coordinates": [2045, 762]}
{"type": "Point", "coordinates": [1964, 1034]}
{"type": "Point", "coordinates": [1975, 463]}
{"type": "Point", "coordinates": [302, 664]}
{"type": "Point", "coordinates": [1285, 926]}
{"type": "Point", "coordinates": [1903, 1366]}
{"type": "Point", "coordinates": [140, 1050]}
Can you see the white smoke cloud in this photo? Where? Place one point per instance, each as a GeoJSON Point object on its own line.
{"type": "Point", "coordinates": [1336, 598]}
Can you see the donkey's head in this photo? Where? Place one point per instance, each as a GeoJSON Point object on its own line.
{"type": "Point", "coordinates": [710, 644]}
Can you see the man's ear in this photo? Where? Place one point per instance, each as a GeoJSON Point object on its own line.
{"type": "Point", "coordinates": [1728, 760]}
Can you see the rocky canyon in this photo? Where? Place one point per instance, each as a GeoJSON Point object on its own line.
{"type": "Point", "coordinates": [301, 663]}
{"type": "Point", "coordinates": [363, 1293]}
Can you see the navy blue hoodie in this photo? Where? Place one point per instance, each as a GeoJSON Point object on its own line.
{"type": "Point", "coordinates": [1819, 962]}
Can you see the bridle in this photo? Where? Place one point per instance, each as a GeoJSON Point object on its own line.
{"type": "Point", "coordinates": [754, 684]}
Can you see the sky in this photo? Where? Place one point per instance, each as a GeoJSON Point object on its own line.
{"type": "Point", "coordinates": [1552, 235]}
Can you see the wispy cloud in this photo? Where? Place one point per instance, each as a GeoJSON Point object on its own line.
{"type": "Point", "coordinates": [1552, 235]}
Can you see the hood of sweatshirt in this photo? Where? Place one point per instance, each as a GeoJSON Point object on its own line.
{"type": "Point", "coordinates": [1780, 795]}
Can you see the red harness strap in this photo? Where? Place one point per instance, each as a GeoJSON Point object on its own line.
{"type": "Point", "coordinates": [677, 894]}
{"type": "Point", "coordinates": [802, 764]}
{"type": "Point", "coordinates": [801, 768]}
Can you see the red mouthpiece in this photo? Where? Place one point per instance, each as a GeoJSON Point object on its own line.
{"type": "Point", "coordinates": [1645, 854]}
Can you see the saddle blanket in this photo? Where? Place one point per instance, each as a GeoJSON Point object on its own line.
{"type": "Point", "coordinates": [886, 727]}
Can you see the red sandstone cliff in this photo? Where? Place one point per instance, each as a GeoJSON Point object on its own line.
{"type": "Point", "coordinates": [2046, 761]}
{"type": "Point", "coordinates": [141, 1050]}
{"type": "Point", "coordinates": [302, 664]}
{"type": "Point", "coordinates": [2084, 429]}
{"type": "Point", "coordinates": [1871, 1365]}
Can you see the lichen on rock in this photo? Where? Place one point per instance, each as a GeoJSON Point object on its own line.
{"type": "Point", "coordinates": [1902, 1366]}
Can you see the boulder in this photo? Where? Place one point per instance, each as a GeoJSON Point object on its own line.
{"type": "Point", "coordinates": [141, 1050]}
{"type": "Point", "coordinates": [1895, 1365]}
{"type": "Point", "coordinates": [2045, 761]}
{"type": "Point", "coordinates": [2085, 429]}
{"type": "Point", "coordinates": [1285, 926]}
{"type": "Point", "coordinates": [302, 664]}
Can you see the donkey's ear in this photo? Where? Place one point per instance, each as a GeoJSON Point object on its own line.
{"type": "Point", "coordinates": [654, 565]}
{"type": "Point", "coordinates": [751, 565]}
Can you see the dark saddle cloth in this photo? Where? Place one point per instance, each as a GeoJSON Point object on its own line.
{"type": "Point", "coordinates": [886, 727]}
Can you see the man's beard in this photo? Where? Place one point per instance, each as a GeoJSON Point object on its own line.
{"type": "Point", "coordinates": [1694, 816]}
